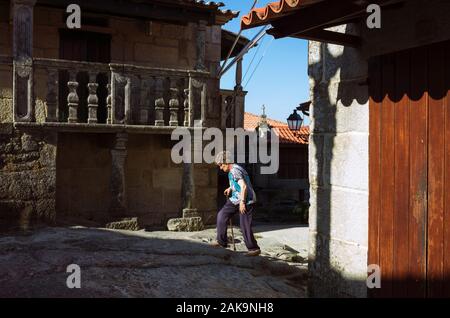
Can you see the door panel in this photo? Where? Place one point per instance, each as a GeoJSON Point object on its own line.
{"type": "Point", "coordinates": [409, 143]}
{"type": "Point", "coordinates": [401, 171]}
{"type": "Point", "coordinates": [375, 101]}
{"type": "Point", "coordinates": [436, 163]}
{"type": "Point", "coordinates": [387, 157]}
{"type": "Point", "coordinates": [418, 174]}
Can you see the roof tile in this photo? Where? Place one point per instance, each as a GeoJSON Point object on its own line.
{"type": "Point", "coordinates": [286, 136]}
{"type": "Point", "coordinates": [276, 9]}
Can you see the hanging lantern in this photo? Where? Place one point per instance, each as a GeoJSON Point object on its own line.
{"type": "Point", "coordinates": [295, 121]}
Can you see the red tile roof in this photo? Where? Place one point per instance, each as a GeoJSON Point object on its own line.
{"type": "Point", "coordinates": [288, 136]}
{"type": "Point", "coordinates": [274, 10]}
{"type": "Point", "coordinates": [285, 135]}
{"type": "Point", "coordinates": [251, 121]}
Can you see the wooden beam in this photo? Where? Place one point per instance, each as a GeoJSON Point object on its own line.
{"type": "Point", "coordinates": [324, 14]}
{"type": "Point", "coordinates": [146, 10]}
{"type": "Point", "coordinates": [322, 36]}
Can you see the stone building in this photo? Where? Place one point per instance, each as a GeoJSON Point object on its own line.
{"type": "Point", "coordinates": [86, 114]}
{"type": "Point", "coordinates": [280, 193]}
{"type": "Point", "coordinates": [379, 149]}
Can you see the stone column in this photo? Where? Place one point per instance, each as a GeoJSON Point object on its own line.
{"type": "Point", "coordinates": [197, 100]}
{"type": "Point", "coordinates": [239, 74]}
{"type": "Point", "coordinates": [188, 189]}
{"type": "Point", "coordinates": [23, 99]}
{"type": "Point", "coordinates": [239, 98]}
{"type": "Point", "coordinates": [196, 95]}
{"type": "Point", "coordinates": [239, 105]}
{"type": "Point", "coordinates": [118, 206]}
{"type": "Point", "coordinates": [191, 220]}
{"type": "Point", "coordinates": [120, 96]}
{"type": "Point", "coordinates": [201, 46]}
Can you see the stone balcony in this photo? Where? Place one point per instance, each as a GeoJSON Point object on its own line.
{"type": "Point", "coordinates": [84, 95]}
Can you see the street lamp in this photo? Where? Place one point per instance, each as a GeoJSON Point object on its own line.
{"type": "Point", "coordinates": [295, 121]}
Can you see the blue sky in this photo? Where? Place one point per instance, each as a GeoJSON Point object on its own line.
{"type": "Point", "coordinates": [281, 79]}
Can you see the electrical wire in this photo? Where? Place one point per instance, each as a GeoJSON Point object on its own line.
{"type": "Point", "coordinates": [253, 58]}
{"type": "Point", "coordinates": [235, 42]}
{"type": "Point", "coordinates": [259, 62]}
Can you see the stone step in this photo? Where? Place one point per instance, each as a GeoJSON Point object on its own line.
{"type": "Point", "coordinates": [128, 223]}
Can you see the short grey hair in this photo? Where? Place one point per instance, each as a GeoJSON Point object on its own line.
{"type": "Point", "coordinates": [224, 157]}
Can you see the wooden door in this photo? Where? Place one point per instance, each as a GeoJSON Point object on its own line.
{"type": "Point", "coordinates": [409, 171]}
{"type": "Point", "coordinates": [88, 47]}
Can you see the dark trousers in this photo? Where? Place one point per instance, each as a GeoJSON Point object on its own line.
{"type": "Point", "coordinates": [223, 218]}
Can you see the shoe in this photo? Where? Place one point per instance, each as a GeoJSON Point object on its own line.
{"type": "Point", "coordinates": [216, 245]}
{"type": "Point", "coordinates": [253, 253]}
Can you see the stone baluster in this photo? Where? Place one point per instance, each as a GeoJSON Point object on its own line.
{"type": "Point", "coordinates": [52, 95]}
{"type": "Point", "coordinates": [159, 103]}
{"type": "Point", "coordinates": [186, 107]}
{"type": "Point", "coordinates": [174, 104]}
{"type": "Point", "coordinates": [92, 98]}
{"type": "Point", "coordinates": [109, 105]}
{"type": "Point", "coordinates": [128, 92]}
{"type": "Point", "coordinates": [72, 98]}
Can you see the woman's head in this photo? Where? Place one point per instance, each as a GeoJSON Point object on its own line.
{"type": "Point", "coordinates": [224, 161]}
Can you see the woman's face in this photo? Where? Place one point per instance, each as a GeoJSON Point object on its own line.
{"type": "Point", "coordinates": [225, 167]}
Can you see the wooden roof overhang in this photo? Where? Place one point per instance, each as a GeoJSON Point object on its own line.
{"type": "Point", "coordinates": [228, 39]}
{"type": "Point", "coordinates": [309, 19]}
{"type": "Point", "coordinates": [172, 11]}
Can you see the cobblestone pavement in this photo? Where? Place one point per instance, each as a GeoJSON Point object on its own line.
{"type": "Point", "coordinates": [152, 264]}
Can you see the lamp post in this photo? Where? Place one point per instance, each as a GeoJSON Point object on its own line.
{"type": "Point", "coordinates": [295, 121]}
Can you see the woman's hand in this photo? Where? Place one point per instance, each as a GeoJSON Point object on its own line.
{"type": "Point", "coordinates": [227, 192]}
{"type": "Point", "coordinates": [242, 207]}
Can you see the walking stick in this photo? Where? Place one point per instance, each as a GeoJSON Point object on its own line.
{"type": "Point", "coordinates": [232, 235]}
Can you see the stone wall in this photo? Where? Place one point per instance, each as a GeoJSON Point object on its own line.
{"type": "Point", "coordinates": [133, 41]}
{"type": "Point", "coordinates": [27, 177]}
{"type": "Point", "coordinates": [6, 94]}
{"type": "Point", "coordinates": [83, 176]}
{"type": "Point", "coordinates": [338, 164]}
{"type": "Point", "coordinates": [5, 71]}
{"type": "Point", "coordinates": [205, 179]}
{"type": "Point", "coordinates": [153, 182]}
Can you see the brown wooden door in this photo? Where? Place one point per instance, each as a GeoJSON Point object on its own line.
{"type": "Point", "coordinates": [409, 171]}
{"type": "Point", "coordinates": [88, 47]}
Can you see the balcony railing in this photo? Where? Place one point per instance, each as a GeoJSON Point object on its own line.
{"type": "Point", "coordinates": [110, 94]}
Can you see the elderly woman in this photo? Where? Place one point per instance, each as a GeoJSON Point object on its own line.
{"type": "Point", "coordinates": [241, 198]}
